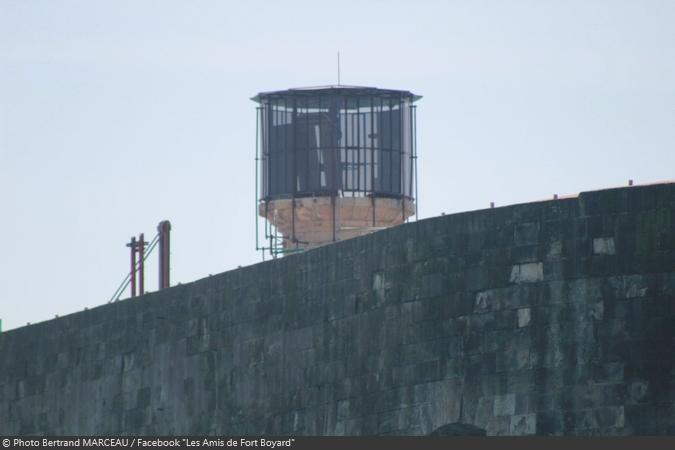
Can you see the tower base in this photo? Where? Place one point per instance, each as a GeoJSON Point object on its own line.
{"type": "Point", "coordinates": [315, 221]}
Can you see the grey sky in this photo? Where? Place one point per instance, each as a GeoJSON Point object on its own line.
{"type": "Point", "coordinates": [116, 115]}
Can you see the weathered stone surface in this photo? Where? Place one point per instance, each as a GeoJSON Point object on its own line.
{"type": "Point", "coordinates": [550, 318]}
{"type": "Point", "coordinates": [527, 273]}
{"type": "Point", "coordinates": [504, 405]}
{"type": "Point", "coordinates": [458, 429]}
{"type": "Point", "coordinates": [604, 246]}
{"type": "Point", "coordinates": [524, 317]}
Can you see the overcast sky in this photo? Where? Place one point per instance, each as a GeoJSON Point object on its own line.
{"type": "Point", "coordinates": [115, 115]}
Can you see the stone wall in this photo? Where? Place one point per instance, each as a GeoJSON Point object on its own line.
{"type": "Point", "coordinates": [550, 318]}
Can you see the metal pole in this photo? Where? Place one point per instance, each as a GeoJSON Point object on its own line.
{"type": "Point", "coordinates": [372, 156]}
{"type": "Point", "coordinates": [295, 174]}
{"type": "Point", "coordinates": [141, 263]}
{"type": "Point", "coordinates": [401, 158]}
{"type": "Point", "coordinates": [417, 199]}
{"type": "Point", "coordinates": [164, 230]}
{"type": "Point", "coordinates": [412, 156]}
{"type": "Point", "coordinates": [268, 234]}
{"type": "Point", "coordinates": [132, 273]}
{"type": "Point", "coordinates": [257, 218]}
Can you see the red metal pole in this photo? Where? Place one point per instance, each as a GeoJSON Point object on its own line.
{"type": "Point", "coordinates": [132, 273]}
{"type": "Point", "coordinates": [164, 229]}
{"type": "Point", "coordinates": [141, 257]}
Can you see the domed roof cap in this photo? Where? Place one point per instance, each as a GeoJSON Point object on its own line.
{"type": "Point", "coordinates": [339, 89]}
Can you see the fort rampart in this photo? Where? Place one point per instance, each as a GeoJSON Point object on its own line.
{"type": "Point", "coordinates": [555, 317]}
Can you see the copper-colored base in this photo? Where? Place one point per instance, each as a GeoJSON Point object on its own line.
{"type": "Point", "coordinates": [318, 222]}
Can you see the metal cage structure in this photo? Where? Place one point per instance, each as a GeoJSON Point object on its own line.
{"type": "Point", "coordinates": [333, 162]}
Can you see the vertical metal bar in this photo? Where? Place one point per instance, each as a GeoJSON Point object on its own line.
{"type": "Point", "coordinates": [263, 146]}
{"type": "Point", "coordinates": [401, 168]}
{"type": "Point", "coordinates": [401, 146]}
{"type": "Point", "coordinates": [164, 230]}
{"type": "Point", "coordinates": [417, 200]}
{"type": "Point", "coordinates": [132, 246]}
{"type": "Point", "coordinates": [269, 111]}
{"type": "Point", "coordinates": [410, 121]}
{"type": "Point", "coordinates": [268, 226]}
{"type": "Point", "coordinates": [167, 254]}
{"type": "Point", "coordinates": [267, 148]}
{"type": "Point", "coordinates": [141, 264]}
{"type": "Point", "coordinates": [391, 151]}
{"type": "Point", "coordinates": [340, 140]}
{"type": "Point", "coordinates": [345, 138]}
{"type": "Point", "coordinates": [333, 125]}
{"type": "Point", "coordinates": [358, 145]}
{"type": "Point", "coordinates": [325, 162]}
{"type": "Point", "coordinates": [372, 156]}
{"type": "Point", "coordinates": [257, 217]}
{"type": "Point", "coordinates": [334, 189]}
{"type": "Point", "coordinates": [162, 249]}
{"type": "Point", "coordinates": [277, 171]}
{"type": "Point", "coordinates": [276, 152]}
{"type": "Point", "coordinates": [307, 169]}
{"type": "Point", "coordinates": [281, 142]}
{"type": "Point", "coordinates": [349, 151]}
{"type": "Point", "coordinates": [288, 130]}
{"type": "Point", "coordinates": [268, 127]}
{"type": "Point", "coordinates": [294, 118]}
{"type": "Point", "coordinates": [281, 146]}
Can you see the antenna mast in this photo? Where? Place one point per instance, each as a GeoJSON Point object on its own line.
{"type": "Point", "coordinates": [338, 67]}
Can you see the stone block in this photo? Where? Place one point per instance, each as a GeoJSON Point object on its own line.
{"type": "Point", "coordinates": [604, 246]}
{"type": "Point", "coordinates": [516, 359]}
{"type": "Point", "coordinates": [504, 405]}
{"type": "Point", "coordinates": [525, 254]}
{"type": "Point", "coordinates": [143, 397]}
{"type": "Point", "coordinates": [527, 273]}
{"type": "Point", "coordinates": [482, 302]}
{"type": "Point", "coordinates": [554, 250]}
{"type": "Point", "coordinates": [550, 423]}
{"type": "Point", "coordinates": [637, 391]}
{"type": "Point", "coordinates": [452, 368]}
{"type": "Point", "coordinates": [379, 286]}
{"type": "Point", "coordinates": [484, 411]}
{"type": "Point", "coordinates": [524, 317]}
{"type": "Point", "coordinates": [526, 233]}
{"type": "Point", "coordinates": [499, 426]}
{"type": "Point", "coordinates": [526, 403]}
{"type": "Point", "coordinates": [458, 429]}
{"type": "Point", "coordinates": [610, 416]}
{"type": "Point", "coordinates": [611, 372]}
{"type": "Point", "coordinates": [596, 310]}
{"type": "Point", "coordinates": [432, 285]}
{"type": "Point", "coordinates": [343, 409]}
{"type": "Point", "coordinates": [523, 425]}
{"type": "Point", "coordinates": [476, 278]}
{"type": "Point", "coordinates": [521, 381]}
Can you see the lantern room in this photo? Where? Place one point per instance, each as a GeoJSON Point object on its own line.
{"type": "Point", "coordinates": [334, 162]}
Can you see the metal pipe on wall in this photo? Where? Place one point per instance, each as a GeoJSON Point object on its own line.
{"type": "Point", "coordinates": [141, 264]}
{"type": "Point", "coordinates": [164, 230]}
{"type": "Point", "coordinates": [132, 272]}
